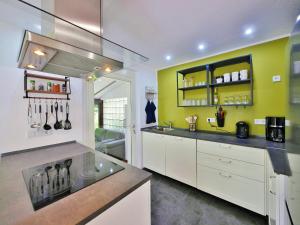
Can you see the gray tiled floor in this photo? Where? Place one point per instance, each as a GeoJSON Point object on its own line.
{"type": "Point", "coordinates": [174, 203]}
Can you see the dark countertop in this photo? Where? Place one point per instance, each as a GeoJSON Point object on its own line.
{"type": "Point", "coordinates": [84, 205]}
{"type": "Point", "coordinates": [254, 142]}
{"type": "Point", "coordinates": [276, 151]}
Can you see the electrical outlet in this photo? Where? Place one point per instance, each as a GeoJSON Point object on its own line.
{"type": "Point", "coordinates": [260, 121]}
{"type": "Point", "coordinates": [276, 78]}
{"type": "Point", "coordinates": [211, 120]}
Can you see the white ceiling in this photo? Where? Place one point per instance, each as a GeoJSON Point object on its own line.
{"type": "Point", "coordinates": [156, 28]}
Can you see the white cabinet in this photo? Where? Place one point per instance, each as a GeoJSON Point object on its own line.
{"type": "Point", "coordinates": [137, 203]}
{"type": "Point", "coordinates": [154, 153]}
{"type": "Point", "coordinates": [181, 159]}
{"type": "Point", "coordinates": [234, 173]}
{"type": "Point", "coordinates": [233, 188]}
{"type": "Point", "coordinates": [271, 194]}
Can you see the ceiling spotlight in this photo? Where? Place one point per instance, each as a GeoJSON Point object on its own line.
{"type": "Point", "coordinates": [201, 47]}
{"type": "Point", "coordinates": [39, 53]}
{"type": "Point", "coordinates": [168, 57]}
{"type": "Point", "coordinates": [30, 66]}
{"type": "Point", "coordinates": [107, 69]}
{"type": "Point", "coordinates": [298, 18]}
{"type": "Point", "coordinates": [248, 31]}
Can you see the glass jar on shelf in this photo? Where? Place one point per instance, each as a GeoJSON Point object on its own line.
{"type": "Point", "coordinates": [226, 100]}
{"type": "Point", "coordinates": [245, 99]}
{"type": "Point", "coordinates": [238, 99]}
{"type": "Point", "coordinates": [230, 100]}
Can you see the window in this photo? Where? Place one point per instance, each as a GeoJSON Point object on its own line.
{"type": "Point", "coordinates": [114, 113]}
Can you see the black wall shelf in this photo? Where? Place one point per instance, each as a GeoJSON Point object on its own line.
{"type": "Point", "coordinates": [210, 81]}
{"type": "Point", "coordinates": [192, 88]}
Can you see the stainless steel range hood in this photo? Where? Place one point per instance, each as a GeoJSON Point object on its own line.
{"type": "Point", "coordinates": [49, 55]}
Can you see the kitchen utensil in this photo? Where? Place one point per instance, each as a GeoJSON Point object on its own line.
{"type": "Point", "coordinates": [220, 116]}
{"type": "Point", "coordinates": [242, 129]}
{"type": "Point", "coordinates": [235, 76]}
{"type": "Point", "coordinates": [47, 126]}
{"type": "Point", "coordinates": [57, 125]}
{"type": "Point", "coordinates": [40, 112]}
{"type": "Point", "coordinates": [61, 108]}
{"type": "Point", "coordinates": [68, 124]}
{"type": "Point", "coordinates": [34, 123]}
{"type": "Point", "coordinates": [29, 113]}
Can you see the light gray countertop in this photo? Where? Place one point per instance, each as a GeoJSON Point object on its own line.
{"type": "Point", "coordinates": [77, 208]}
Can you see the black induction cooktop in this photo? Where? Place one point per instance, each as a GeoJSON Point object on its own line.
{"type": "Point", "coordinates": [52, 181]}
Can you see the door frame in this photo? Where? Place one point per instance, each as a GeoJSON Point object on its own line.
{"type": "Point", "coordinates": [127, 75]}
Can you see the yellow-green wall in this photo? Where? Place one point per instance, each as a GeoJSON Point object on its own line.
{"type": "Point", "coordinates": [269, 59]}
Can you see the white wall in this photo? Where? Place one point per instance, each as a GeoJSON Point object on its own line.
{"type": "Point", "coordinates": [144, 76]}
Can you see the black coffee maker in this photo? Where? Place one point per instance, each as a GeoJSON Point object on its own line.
{"type": "Point", "coordinates": [242, 129]}
{"type": "Point", "coordinates": [275, 129]}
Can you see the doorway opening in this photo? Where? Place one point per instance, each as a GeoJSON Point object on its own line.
{"type": "Point", "coordinates": [112, 115]}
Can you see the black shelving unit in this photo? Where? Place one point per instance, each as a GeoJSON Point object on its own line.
{"type": "Point", "coordinates": [185, 72]}
{"type": "Point", "coordinates": [210, 80]}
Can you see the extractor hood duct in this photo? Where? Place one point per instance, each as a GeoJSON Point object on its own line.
{"type": "Point", "coordinates": [49, 55]}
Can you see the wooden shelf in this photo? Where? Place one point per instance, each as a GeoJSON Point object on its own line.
{"type": "Point", "coordinates": [192, 88]}
{"type": "Point", "coordinates": [47, 77]}
{"type": "Point", "coordinates": [248, 81]}
{"type": "Point", "coordinates": [65, 81]}
{"type": "Point", "coordinates": [47, 92]}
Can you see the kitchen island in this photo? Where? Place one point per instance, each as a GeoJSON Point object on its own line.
{"type": "Point", "coordinates": [120, 194]}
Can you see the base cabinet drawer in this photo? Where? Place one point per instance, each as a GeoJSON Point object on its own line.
{"type": "Point", "coordinates": [246, 154]}
{"type": "Point", "coordinates": [240, 168]}
{"type": "Point", "coordinates": [244, 192]}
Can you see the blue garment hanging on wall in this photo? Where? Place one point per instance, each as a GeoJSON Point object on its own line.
{"type": "Point", "coordinates": [150, 112]}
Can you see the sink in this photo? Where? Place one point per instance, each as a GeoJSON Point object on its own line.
{"type": "Point", "coordinates": [163, 129]}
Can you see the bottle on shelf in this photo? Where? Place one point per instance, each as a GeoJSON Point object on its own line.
{"type": "Point", "coordinates": [216, 97]}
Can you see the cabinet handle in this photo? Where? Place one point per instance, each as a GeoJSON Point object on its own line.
{"type": "Point", "coordinates": [222, 175]}
{"type": "Point", "coordinates": [224, 161]}
{"type": "Point", "coordinates": [272, 177]}
{"type": "Point", "coordinates": [272, 192]}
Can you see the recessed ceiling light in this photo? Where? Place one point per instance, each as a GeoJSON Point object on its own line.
{"type": "Point", "coordinates": [168, 57]}
{"type": "Point", "coordinates": [39, 52]}
{"type": "Point", "coordinates": [108, 69]}
{"type": "Point", "coordinates": [30, 66]}
{"type": "Point", "coordinates": [201, 47]}
{"type": "Point", "coordinates": [248, 31]}
{"type": "Point", "coordinates": [298, 18]}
